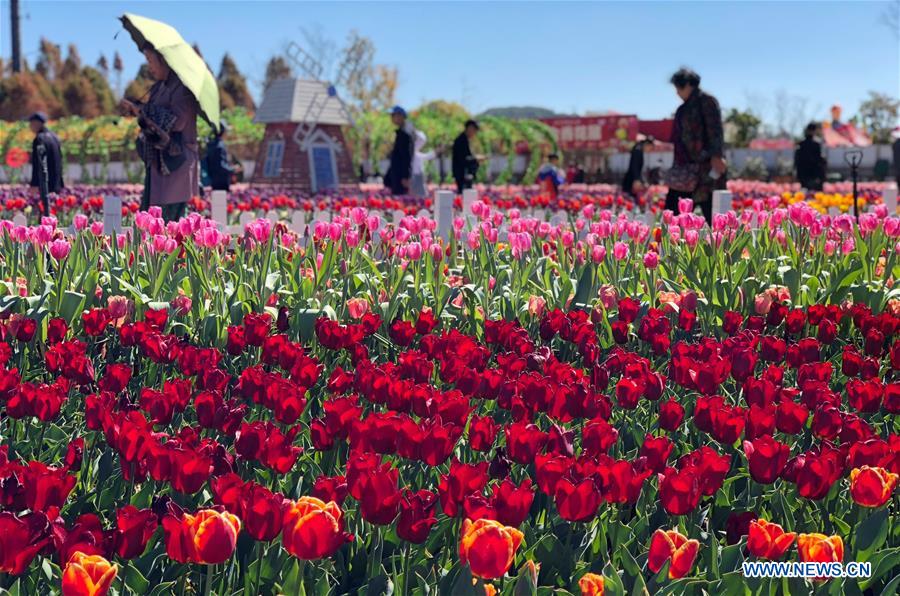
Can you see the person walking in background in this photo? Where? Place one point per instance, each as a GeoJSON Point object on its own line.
{"type": "Point", "coordinates": [168, 139]}
{"type": "Point", "coordinates": [699, 146]}
{"type": "Point", "coordinates": [808, 160]}
{"type": "Point", "coordinates": [418, 165]}
{"type": "Point", "coordinates": [896, 148]}
{"type": "Point", "coordinates": [399, 173]}
{"type": "Point", "coordinates": [218, 165]}
{"type": "Point", "coordinates": [550, 177]}
{"type": "Point", "coordinates": [633, 183]}
{"type": "Point", "coordinates": [579, 174]}
{"type": "Point", "coordinates": [52, 154]}
{"type": "Point", "coordinates": [464, 162]}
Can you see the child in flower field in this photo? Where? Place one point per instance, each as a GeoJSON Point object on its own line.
{"type": "Point", "coordinates": [550, 177]}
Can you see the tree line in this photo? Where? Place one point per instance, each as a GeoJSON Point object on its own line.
{"type": "Point", "coordinates": [64, 86]}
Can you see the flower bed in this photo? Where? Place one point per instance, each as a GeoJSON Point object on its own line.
{"type": "Point", "coordinates": [572, 199]}
{"type": "Point", "coordinates": [595, 406]}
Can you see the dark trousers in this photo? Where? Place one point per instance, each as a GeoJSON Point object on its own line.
{"type": "Point", "coordinates": [462, 184]}
{"type": "Point", "coordinates": [173, 212]}
{"type": "Point", "coordinates": [672, 203]}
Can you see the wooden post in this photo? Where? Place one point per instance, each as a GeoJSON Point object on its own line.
{"type": "Point", "coordinates": [469, 198]}
{"type": "Point", "coordinates": [721, 201]}
{"type": "Point", "coordinates": [443, 213]}
{"type": "Point", "coordinates": [112, 215]}
{"type": "Point", "coordinates": [218, 207]}
{"type": "Point", "coordinates": [890, 198]}
{"type": "Point", "coordinates": [298, 222]}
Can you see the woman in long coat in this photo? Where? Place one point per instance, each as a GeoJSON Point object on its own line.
{"type": "Point", "coordinates": [169, 146]}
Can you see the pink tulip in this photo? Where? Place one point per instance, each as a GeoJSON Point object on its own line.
{"type": "Point", "coordinates": [357, 307]}
{"type": "Point", "coordinates": [620, 251]}
{"type": "Point", "coordinates": [80, 221]}
{"type": "Point", "coordinates": [651, 260]}
{"type": "Point", "coordinates": [59, 249]}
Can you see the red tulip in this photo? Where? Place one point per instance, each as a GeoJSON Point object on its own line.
{"type": "Point", "coordinates": [313, 529]}
{"type": "Point", "coordinates": [766, 458]}
{"type": "Point", "coordinates": [262, 511]}
{"type": "Point", "coordinates": [768, 540]}
{"type": "Point", "coordinates": [679, 491]}
{"type": "Point", "coordinates": [416, 515]}
{"type": "Point", "coordinates": [488, 547]}
{"type": "Point", "coordinates": [88, 575]}
{"type": "Point", "coordinates": [577, 502]}
{"type": "Point", "coordinates": [207, 537]}
{"type": "Point", "coordinates": [872, 486]}
{"type": "Point", "coordinates": [672, 546]}
{"type": "Point", "coordinates": [21, 539]}
{"type": "Point", "coordinates": [461, 481]}
{"type": "Point", "coordinates": [819, 548]}
{"type": "Point", "coordinates": [134, 528]}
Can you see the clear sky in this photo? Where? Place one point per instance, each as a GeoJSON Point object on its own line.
{"type": "Point", "coordinates": [568, 56]}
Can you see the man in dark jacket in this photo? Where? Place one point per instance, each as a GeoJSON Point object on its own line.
{"type": "Point", "coordinates": [52, 154]}
{"type": "Point", "coordinates": [699, 145]}
{"type": "Point", "coordinates": [896, 146]}
{"type": "Point", "coordinates": [465, 164]}
{"type": "Point", "coordinates": [400, 170]}
{"type": "Point", "coordinates": [218, 167]}
{"type": "Point", "coordinates": [808, 160]}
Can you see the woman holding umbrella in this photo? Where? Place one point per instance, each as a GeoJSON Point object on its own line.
{"type": "Point", "coordinates": [184, 89]}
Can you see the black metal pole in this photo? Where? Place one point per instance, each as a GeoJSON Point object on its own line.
{"type": "Point", "coordinates": [15, 36]}
{"type": "Point", "coordinates": [854, 171]}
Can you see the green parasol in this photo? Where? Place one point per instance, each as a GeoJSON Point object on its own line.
{"type": "Point", "coordinates": [184, 61]}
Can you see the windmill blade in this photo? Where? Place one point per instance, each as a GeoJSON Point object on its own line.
{"type": "Point", "coordinates": [355, 57]}
{"type": "Point", "coordinates": [346, 110]}
{"type": "Point", "coordinates": [310, 119]}
{"type": "Point", "coordinates": [303, 61]}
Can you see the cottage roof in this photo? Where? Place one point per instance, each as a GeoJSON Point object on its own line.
{"type": "Point", "coordinates": [288, 100]}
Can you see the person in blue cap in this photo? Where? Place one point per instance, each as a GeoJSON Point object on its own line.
{"type": "Point", "coordinates": [52, 155]}
{"type": "Point", "coordinates": [399, 173]}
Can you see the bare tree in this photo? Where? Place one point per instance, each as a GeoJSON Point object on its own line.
{"type": "Point", "coordinates": [791, 113]}
{"type": "Point", "coordinates": [321, 47]}
{"type": "Point", "coordinates": [890, 18]}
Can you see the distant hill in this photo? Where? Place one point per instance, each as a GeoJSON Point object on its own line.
{"type": "Point", "coordinates": [518, 112]}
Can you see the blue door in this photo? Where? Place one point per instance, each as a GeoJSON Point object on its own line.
{"type": "Point", "coordinates": [323, 167]}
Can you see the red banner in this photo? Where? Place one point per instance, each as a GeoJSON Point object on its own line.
{"type": "Point", "coordinates": [594, 132]}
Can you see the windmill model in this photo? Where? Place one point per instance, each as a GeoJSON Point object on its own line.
{"type": "Point", "coordinates": [304, 144]}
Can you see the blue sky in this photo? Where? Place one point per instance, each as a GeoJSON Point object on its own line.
{"type": "Point", "coordinates": [568, 56]}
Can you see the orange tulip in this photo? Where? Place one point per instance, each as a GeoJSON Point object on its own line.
{"type": "Point", "coordinates": [591, 584]}
{"type": "Point", "coordinates": [768, 540]}
{"type": "Point", "coordinates": [488, 547]}
{"type": "Point", "coordinates": [671, 545]}
{"type": "Point", "coordinates": [88, 575]}
{"type": "Point", "coordinates": [313, 529]}
{"type": "Point", "coordinates": [207, 537]}
{"type": "Point", "coordinates": [872, 487]}
{"type": "Point", "coordinates": [819, 548]}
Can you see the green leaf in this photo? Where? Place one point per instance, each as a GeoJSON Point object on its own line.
{"type": "Point", "coordinates": [71, 305]}
{"type": "Point", "coordinates": [135, 581]}
{"type": "Point", "coordinates": [871, 534]}
{"type": "Point", "coordinates": [163, 588]}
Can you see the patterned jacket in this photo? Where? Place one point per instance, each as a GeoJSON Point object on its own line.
{"type": "Point", "coordinates": [697, 134]}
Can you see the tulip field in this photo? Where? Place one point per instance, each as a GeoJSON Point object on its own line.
{"type": "Point", "coordinates": [85, 199]}
{"type": "Point", "coordinates": [590, 405]}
